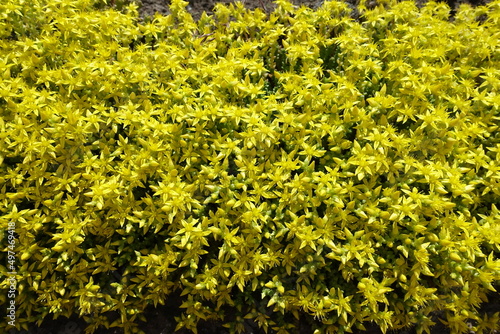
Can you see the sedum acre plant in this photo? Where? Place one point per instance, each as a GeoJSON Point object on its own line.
{"type": "Point", "coordinates": [300, 165]}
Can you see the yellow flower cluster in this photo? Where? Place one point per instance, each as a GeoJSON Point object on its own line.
{"type": "Point", "coordinates": [271, 168]}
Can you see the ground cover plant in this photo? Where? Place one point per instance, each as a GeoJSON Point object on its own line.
{"type": "Point", "coordinates": [273, 168]}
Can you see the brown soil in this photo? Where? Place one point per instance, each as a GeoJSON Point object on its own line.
{"type": "Point", "coordinates": [161, 319]}
{"type": "Point", "coordinates": [197, 7]}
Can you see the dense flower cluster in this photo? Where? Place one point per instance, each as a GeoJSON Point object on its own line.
{"type": "Point", "coordinates": [301, 164]}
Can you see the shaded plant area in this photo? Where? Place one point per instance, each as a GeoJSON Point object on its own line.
{"type": "Point", "coordinates": [161, 320]}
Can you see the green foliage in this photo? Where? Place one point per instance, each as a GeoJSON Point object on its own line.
{"type": "Point", "coordinates": [271, 168]}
